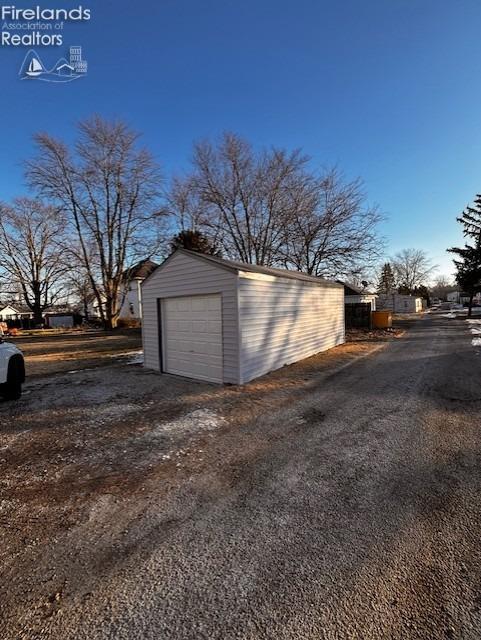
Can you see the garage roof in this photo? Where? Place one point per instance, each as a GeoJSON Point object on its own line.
{"type": "Point", "coordinates": [233, 265]}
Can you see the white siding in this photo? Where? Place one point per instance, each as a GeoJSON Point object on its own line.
{"type": "Point", "coordinates": [363, 298]}
{"type": "Point", "coordinates": [400, 303]}
{"type": "Point", "coordinates": [284, 320]}
{"type": "Point", "coordinates": [184, 275]}
{"type": "Point", "coordinates": [6, 313]}
{"type": "Point", "coordinates": [131, 307]}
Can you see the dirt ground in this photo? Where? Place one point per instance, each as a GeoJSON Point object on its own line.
{"type": "Point", "coordinates": [70, 350]}
{"type": "Point", "coordinates": [95, 433]}
{"type": "Point", "coordinates": [337, 498]}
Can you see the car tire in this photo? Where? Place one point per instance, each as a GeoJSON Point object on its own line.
{"type": "Point", "coordinates": [12, 389]}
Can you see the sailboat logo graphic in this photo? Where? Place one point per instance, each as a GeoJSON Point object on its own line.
{"type": "Point", "coordinates": [63, 71]}
{"type": "Point", "coordinates": [34, 68]}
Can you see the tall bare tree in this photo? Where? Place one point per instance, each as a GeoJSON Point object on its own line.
{"type": "Point", "coordinates": [32, 255]}
{"type": "Point", "coordinates": [413, 268]}
{"type": "Point", "coordinates": [271, 208]}
{"type": "Point", "coordinates": [333, 231]}
{"type": "Point", "coordinates": [109, 188]}
{"type": "Point", "coordinates": [80, 289]}
{"type": "Point", "coordinates": [247, 198]}
{"type": "Point", "coordinates": [184, 204]}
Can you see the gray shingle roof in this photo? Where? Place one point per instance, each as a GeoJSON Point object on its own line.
{"type": "Point", "coordinates": [141, 270]}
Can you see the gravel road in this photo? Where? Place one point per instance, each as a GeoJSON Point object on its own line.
{"type": "Point", "coordinates": [354, 512]}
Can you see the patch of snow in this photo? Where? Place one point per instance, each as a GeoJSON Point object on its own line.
{"type": "Point", "coordinates": [128, 354]}
{"type": "Point", "coordinates": [476, 342]}
{"type": "Point", "coordinates": [102, 414]}
{"type": "Point", "coordinates": [198, 420]}
{"type": "Point", "coordinates": [138, 359]}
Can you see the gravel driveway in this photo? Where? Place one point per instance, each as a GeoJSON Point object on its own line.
{"type": "Point", "coordinates": [332, 505]}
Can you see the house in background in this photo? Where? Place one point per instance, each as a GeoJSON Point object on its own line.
{"type": "Point", "coordinates": [16, 315]}
{"type": "Point", "coordinates": [399, 303]}
{"type": "Point", "coordinates": [13, 311]}
{"type": "Point", "coordinates": [131, 308]}
{"type": "Point", "coordinates": [459, 297]}
{"type": "Point", "coordinates": [7, 311]}
{"type": "Point", "coordinates": [354, 295]}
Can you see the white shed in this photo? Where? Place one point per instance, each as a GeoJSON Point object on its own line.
{"type": "Point", "coordinates": [224, 321]}
{"type": "Point", "coordinates": [353, 295]}
{"type": "Point", "coordinates": [400, 303]}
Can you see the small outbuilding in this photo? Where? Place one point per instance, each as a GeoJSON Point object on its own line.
{"type": "Point", "coordinates": [399, 303]}
{"type": "Point", "coordinates": [229, 322]}
{"type": "Point", "coordinates": [353, 295]}
{"type": "Point", "coordinates": [57, 320]}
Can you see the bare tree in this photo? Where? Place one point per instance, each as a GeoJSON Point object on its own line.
{"type": "Point", "coordinates": [413, 268]}
{"type": "Point", "coordinates": [270, 208]}
{"type": "Point", "coordinates": [247, 198]}
{"type": "Point", "coordinates": [78, 286]}
{"type": "Point", "coordinates": [333, 231]}
{"type": "Point", "coordinates": [184, 204]}
{"type": "Point", "coordinates": [109, 189]}
{"type": "Point", "coordinates": [442, 285]}
{"type": "Point", "coordinates": [31, 247]}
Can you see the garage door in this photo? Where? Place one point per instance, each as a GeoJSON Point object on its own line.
{"type": "Point", "coordinates": [192, 337]}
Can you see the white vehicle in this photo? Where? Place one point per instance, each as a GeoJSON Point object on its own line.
{"type": "Point", "coordinates": [12, 370]}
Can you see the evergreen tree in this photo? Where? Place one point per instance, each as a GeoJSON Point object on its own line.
{"type": "Point", "coordinates": [471, 219]}
{"type": "Point", "coordinates": [468, 264]}
{"type": "Point", "coordinates": [193, 241]}
{"type": "Point", "coordinates": [387, 280]}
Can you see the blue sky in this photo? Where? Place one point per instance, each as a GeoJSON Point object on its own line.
{"type": "Point", "coordinates": [387, 90]}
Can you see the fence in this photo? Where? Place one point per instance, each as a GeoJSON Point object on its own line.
{"type": "Point", "coordinates": [20, 323]}
{"type": "Point", "coordinates": [357, 315]}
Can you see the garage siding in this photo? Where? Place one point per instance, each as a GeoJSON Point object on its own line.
{"type": "Point", "coordinates": [284, 320]}
{"type": "Point", "coordinates": [183, 275]}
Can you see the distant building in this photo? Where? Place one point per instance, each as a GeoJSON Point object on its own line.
{"type": "Point", "coordinates": [14, 312]}
{"type": "Point", "coordinates": [76, 61]}
{"type": "Point", "coordinates": [354, 295]}
{"type": "Point", "coordinates": [399, 303]}
{"type": "Point", "coordinates": [459, 297]}
{"type": "Point", "coordinates": [63, 320]}
{"type": "Point", "coordinates": [130, 298]}
{"type": "Point", "coordinates": [133, 278]}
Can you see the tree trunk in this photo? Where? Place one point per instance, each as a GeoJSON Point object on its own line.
{"type": "Point", "coordinates": [86, 310]}
{"type": "Point", "coordinates": [110, 321]}
{"type": "Point", "coordinates": [470, 308]}
{"type": "Point", "coordinates": [37, 306]}
{"type": "Point", "coordinates": [37, 316]}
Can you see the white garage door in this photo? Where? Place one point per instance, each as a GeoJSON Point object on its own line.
{"type": "Point", "coordinates": [192, 337]}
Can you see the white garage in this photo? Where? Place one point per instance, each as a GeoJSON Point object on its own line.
{"type": "Point", "coordinates": [228, 322]}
